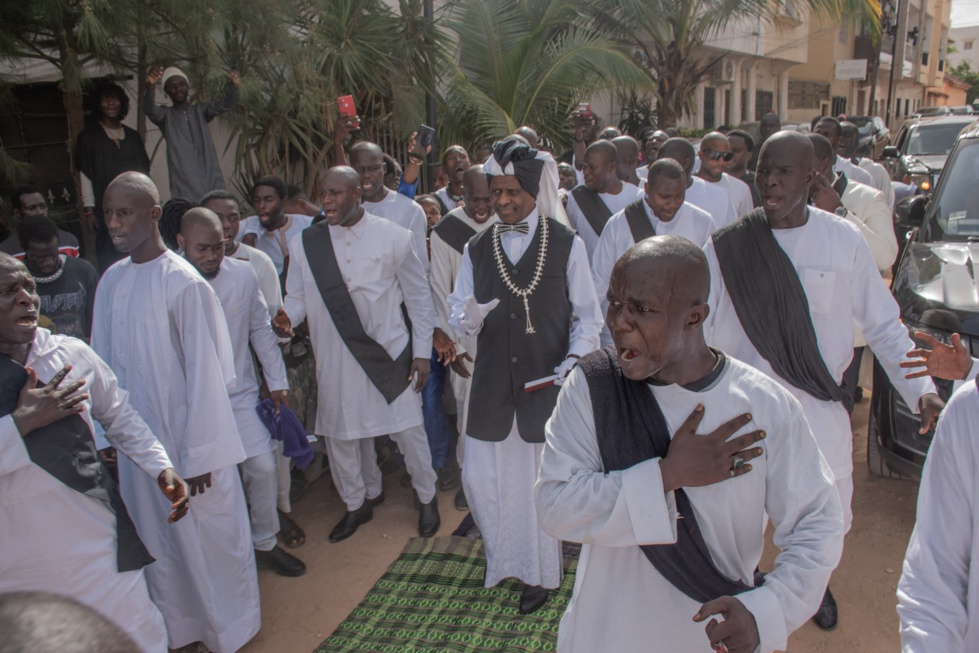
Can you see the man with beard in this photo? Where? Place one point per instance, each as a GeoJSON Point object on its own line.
{"type": "Point", "coordinates": [448, 240]}
{"type": "Point", "coordinates": [271, 228]}
{"type": "Point", "coordinates": [788, 282]}
{"type": "Point", "coordinates": [650, 466]}
{"type": "Point", "coordinates": [831, 129]}
{"type": "Point", "coordinates": [653, 142]}
{"type": "Point", "coordinates": [191, 158]}
{"type": "Point", "coordinates": [456, 162]}
{"type": "Point", "coordinates": [743, 148]}
{"type": "Point", "coordinates": [602, 195]}
{"type": "Point", "coordinates": [201, 238]}
{"type": "Point", "coordinates": [715, 156]}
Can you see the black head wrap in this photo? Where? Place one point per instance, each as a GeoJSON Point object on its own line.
{"type": "Point", "coordinates": [513, 157]}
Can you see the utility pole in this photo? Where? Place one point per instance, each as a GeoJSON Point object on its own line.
{"type": "Point", "coordinates": [897, 55]}
{"type": "Point", "coordinates": [431, 115]}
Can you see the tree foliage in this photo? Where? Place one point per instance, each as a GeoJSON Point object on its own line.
{"type": "Point", "coordinates": [964, 72]}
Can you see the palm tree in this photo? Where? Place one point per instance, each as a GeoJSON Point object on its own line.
{"type": "Point", "coordinates": [669, 34]}
{"type": "Point", "coordinates": [526, 62]}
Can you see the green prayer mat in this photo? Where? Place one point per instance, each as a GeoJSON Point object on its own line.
{"type": "Point", "coordinates": [432, 599]}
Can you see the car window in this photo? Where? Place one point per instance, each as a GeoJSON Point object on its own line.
{"type": "Point", "coordinates": [901, 136]}
{"type": "Point", "coordinates": [933, 139]}
{"type": "Point", "coordinates": [958, 204]}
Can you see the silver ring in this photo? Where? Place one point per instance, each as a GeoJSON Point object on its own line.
{"type": "Point", "coordinates": [738, 461]}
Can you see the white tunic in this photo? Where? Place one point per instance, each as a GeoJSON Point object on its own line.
{"type": "Point", "coordinates": [268, 278]}
{"type": "Point", "coordinates": [248, 323]}
{"type": "Point", "coordinates": [852, 171]}
{"type": "Point", "coordinates": [275, 243]}
{"type": "Point", "coordinates": [715, 201]}
{"type": "Point", "coordinates": [615, 203]}
{"type": "Point", "coordinates": [55, 539]}
{"type": "Point", "coordinates": [936, 597]}
{"type": "Point", "coordinates": [160, 328]}
{"type": "Point", "coordinates": [882, 180]}
{"type": "Point", "coordinates": [842, 285]}
{"type": "Point", "coordinates": [443, 194]}
{"type": "Point", "coordinates": [407, 214]}
{"type": "Point", "coordinates": [381, 271]}
{"type": "Point", "coordinates": [689, 222]}
{"type": "Point", "coordinates": [620, 602]}
{"type": "Point", "coordinates": [738, 191]}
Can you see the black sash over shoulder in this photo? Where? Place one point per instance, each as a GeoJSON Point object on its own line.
{"type": "Point", "coordinates": [592, 207]}
{"type": "Point", "coordinates": [66, 451]}
{"type": "Point", "coordinates": [639, 223]}
{"type": "Point", "coordinates": [631, 429]}
{"type": "Point", "coordinates": [454, 232]}
{"type": "Point", "coordinates": [389, 376]}
{"type": "Point", "coordinates": [772, 305]}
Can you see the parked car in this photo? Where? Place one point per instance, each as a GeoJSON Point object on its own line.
{"type": "Point", "coordinates": [926, 112]}
{"type": "Point", "coordinates": [935, 288]}
{"type": "Point", "coordinates": [874, 134]}
{"type": "Point", "coordinates": [921, 147]}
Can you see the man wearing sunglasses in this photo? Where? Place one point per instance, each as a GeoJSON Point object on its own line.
{"type": "Point", "coordinates": [715, 158]}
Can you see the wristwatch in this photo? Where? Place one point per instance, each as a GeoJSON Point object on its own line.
{"type": "Point", "coordinates": [841, 211]}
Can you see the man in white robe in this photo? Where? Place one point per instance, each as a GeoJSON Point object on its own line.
{"type": "Point", "coordinates": [587, 493]}
{"type": "Point", "coordinates": [377, 269]}
{"type": "Point", "coordinates": [841, 286]}
{"type": "Point", "coordinates": [202, 239]}
{"type": "Point", "coordinates": [549, 317]}
{"type": "Point", "coordinates": [667, 214]}
{"type": "Point", "coordinates": [937, 587]}
{"type": "Point", "coordinates": [160, 328]}
{"type": "Point", "coordinates": [831, 129]}
{"type": "Point", "coordinates": [602, 183]}
{"type": "Point", "coordinates": [716, 202]}
{"type": "Point", "coordinates": [39, 514]}
{"type": "Point", "coordinates": [448, 239]}
{"type": "Point", "coordinates": [271, 228]}
{"type": "Point", "coordinates": [715, 157]}
{"type": "Point", "coordinates": [847, 149]}
{"type": "Point", "coordinates": [455, 160]}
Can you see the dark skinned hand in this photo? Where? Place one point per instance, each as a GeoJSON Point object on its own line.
{"type": "Point", "coordinates": [930, 405]}
{"type": "Point", "coordinates": [951, 362]}
{"type": "Point", "coordinates": [279, 398]}
{"type": "Point", "coordinates": [738, 631]}
{"type": "Point", "coordinates": [38, 407]}
{"type": "Point", "coordinates": [444, 346]}
{"type": "Point", "coordinates": [176, 490]}
{"type": "Point", "coordinates": [198, 484]}
{"type": "Point", "coordinates": [824, 196]}
{"type": "Point", "coordinates": [459, 365]}
{"type": "Point", "coordinates": [695, 460]}
{"type": "Point", "coordinates": [422, 368]}
{"type": "Point", "coordinates": [154, 75]}
{"type": "Point", "coordinates": [282, 325]}
{"type": "Point", "coordinates": [345, 125]}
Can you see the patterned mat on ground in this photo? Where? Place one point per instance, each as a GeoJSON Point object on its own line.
{"type": "Point", "coordinates": [432, 599]}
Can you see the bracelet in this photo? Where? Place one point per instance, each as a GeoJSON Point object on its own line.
{"type": "Point", "coordinates": [416, 159]}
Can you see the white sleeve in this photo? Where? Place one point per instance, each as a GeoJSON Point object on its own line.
{"type": "Point", "coordinates": [933, 593]}
{"type": "Point", "coordinates": [264, 341]}
{"type": "Point", "coordinates": [440, 276]}
{"type": "Point", "coordinates": [413, 278]}
{"type": "Point", "coordinates": [574, 213]}
{"type": "Point", "coordinates": [419, 238]}
{"type": "Point", "coordinates": [874, 221]}
{"type": "Point", "coordinates": [295, 300]}
{"type": "Point", "coordinates": [586, 314]}
{"type": "Point", "coordinates": [13, 452]}
{"type": "Point", "coordinates": [88, 193]}
{"type": "Point", "coordinates": [578, 502]}
{"type": "Point", "coordinates": [804, 507]}
{"type": "Point", "coordinates": [463, 289]}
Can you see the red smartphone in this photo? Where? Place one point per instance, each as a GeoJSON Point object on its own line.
{"type": "Point", "coordinates": [584, 109]}
{"type": "Point", "coordinates": [346, 106]}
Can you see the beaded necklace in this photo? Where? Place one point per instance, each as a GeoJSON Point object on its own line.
{"type": "Point", "coordinates": [524, 293]}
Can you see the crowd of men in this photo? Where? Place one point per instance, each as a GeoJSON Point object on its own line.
{"type": "Point", "coordinates": [651, 349]}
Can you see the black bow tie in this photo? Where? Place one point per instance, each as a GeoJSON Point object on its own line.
{"type": "Point", "coordinates": [521, 227]}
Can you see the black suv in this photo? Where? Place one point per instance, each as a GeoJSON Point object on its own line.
{"type": "Point", "coordinates": [920, 149]}
{"type": "Point", "coordinates": [937, 290]}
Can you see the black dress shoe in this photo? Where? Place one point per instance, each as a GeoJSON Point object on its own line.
{"type": "Point", "coordinates": [448, 479]}
{"type": "Point", "coordinates": [348, 525]}
{"type": "Point", "coordinates": [376, 501]}
{"type": "Point", "coordinates": [282, 563]}
{"type": "Point", "coordinates": [461, 503]}
{"type": "Point", "coordinates": [532, 598]}
{"type": "Point", "coordinates": [428, 518]}
{"type": "Point", "coordinates": [827, 615]}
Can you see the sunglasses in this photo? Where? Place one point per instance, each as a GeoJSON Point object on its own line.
{"type": "Point", "coordinates": [714, 155]}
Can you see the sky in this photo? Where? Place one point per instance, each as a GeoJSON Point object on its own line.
{"type": "Point", "coordinates": [965, 13]}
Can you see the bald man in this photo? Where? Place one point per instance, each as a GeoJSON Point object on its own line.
{"type": "Point", "coordinates": [716, 202]}
{"type": "Point", "coordinates": [622, 464]}
{"type": "Point", "coordinates": [628, 150]}
{"type": "Point", "coordinates": [715, 157]}
{"type": "Point", "coordinates": [348, 278]}
{"type": "Point", "coordinates": [602, 195]}
{"type": "Point", "coordinates": [160, 327]}
{"type": "Point", "coordinates": [456, 162]}
{"type": "Point", "coordinates": [201, 238]}
{"type": "Point", "coordinates": [788, 281]}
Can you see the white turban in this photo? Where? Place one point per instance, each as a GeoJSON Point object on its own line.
{"type": "Point", "coordinates": [173, 71]}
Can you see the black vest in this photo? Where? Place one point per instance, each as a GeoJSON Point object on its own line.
{"type": "Point", "coordinates": [508, 356]}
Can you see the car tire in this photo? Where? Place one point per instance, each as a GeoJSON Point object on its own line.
{"type": "Point", "coordinates": [875, 461]}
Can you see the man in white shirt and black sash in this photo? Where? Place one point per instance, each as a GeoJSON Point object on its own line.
{"type": "Point", "coordinates": [788, 281]}
{"type": "Point", "coordinates": [348, 276]}
{"type": "Point", "coordinates": [524, 287]}
{"type": "Point", "coordinates": [673, 522]}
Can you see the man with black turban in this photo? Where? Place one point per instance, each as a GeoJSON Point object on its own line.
{"type": "Point", "coordinates": [525, 291]}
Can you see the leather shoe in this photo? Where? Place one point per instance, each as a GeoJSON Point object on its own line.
{"type": "Point", "coordinates": [447, 478]}
{"type": "Point", "coordinates": [428, 518]}
{"type": "Point", "coordinates": [279, 561]}
{"type": "Point", "coordinates": [461, 502]}
{"type": "Point", "coordinates": [826, 617]}
{"type": "Point", "coordinates": [348, 525]}
{"type": "Point", "coordinates": [376, 501]}
{"type": "Point", "coordinates": [532, 598]}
